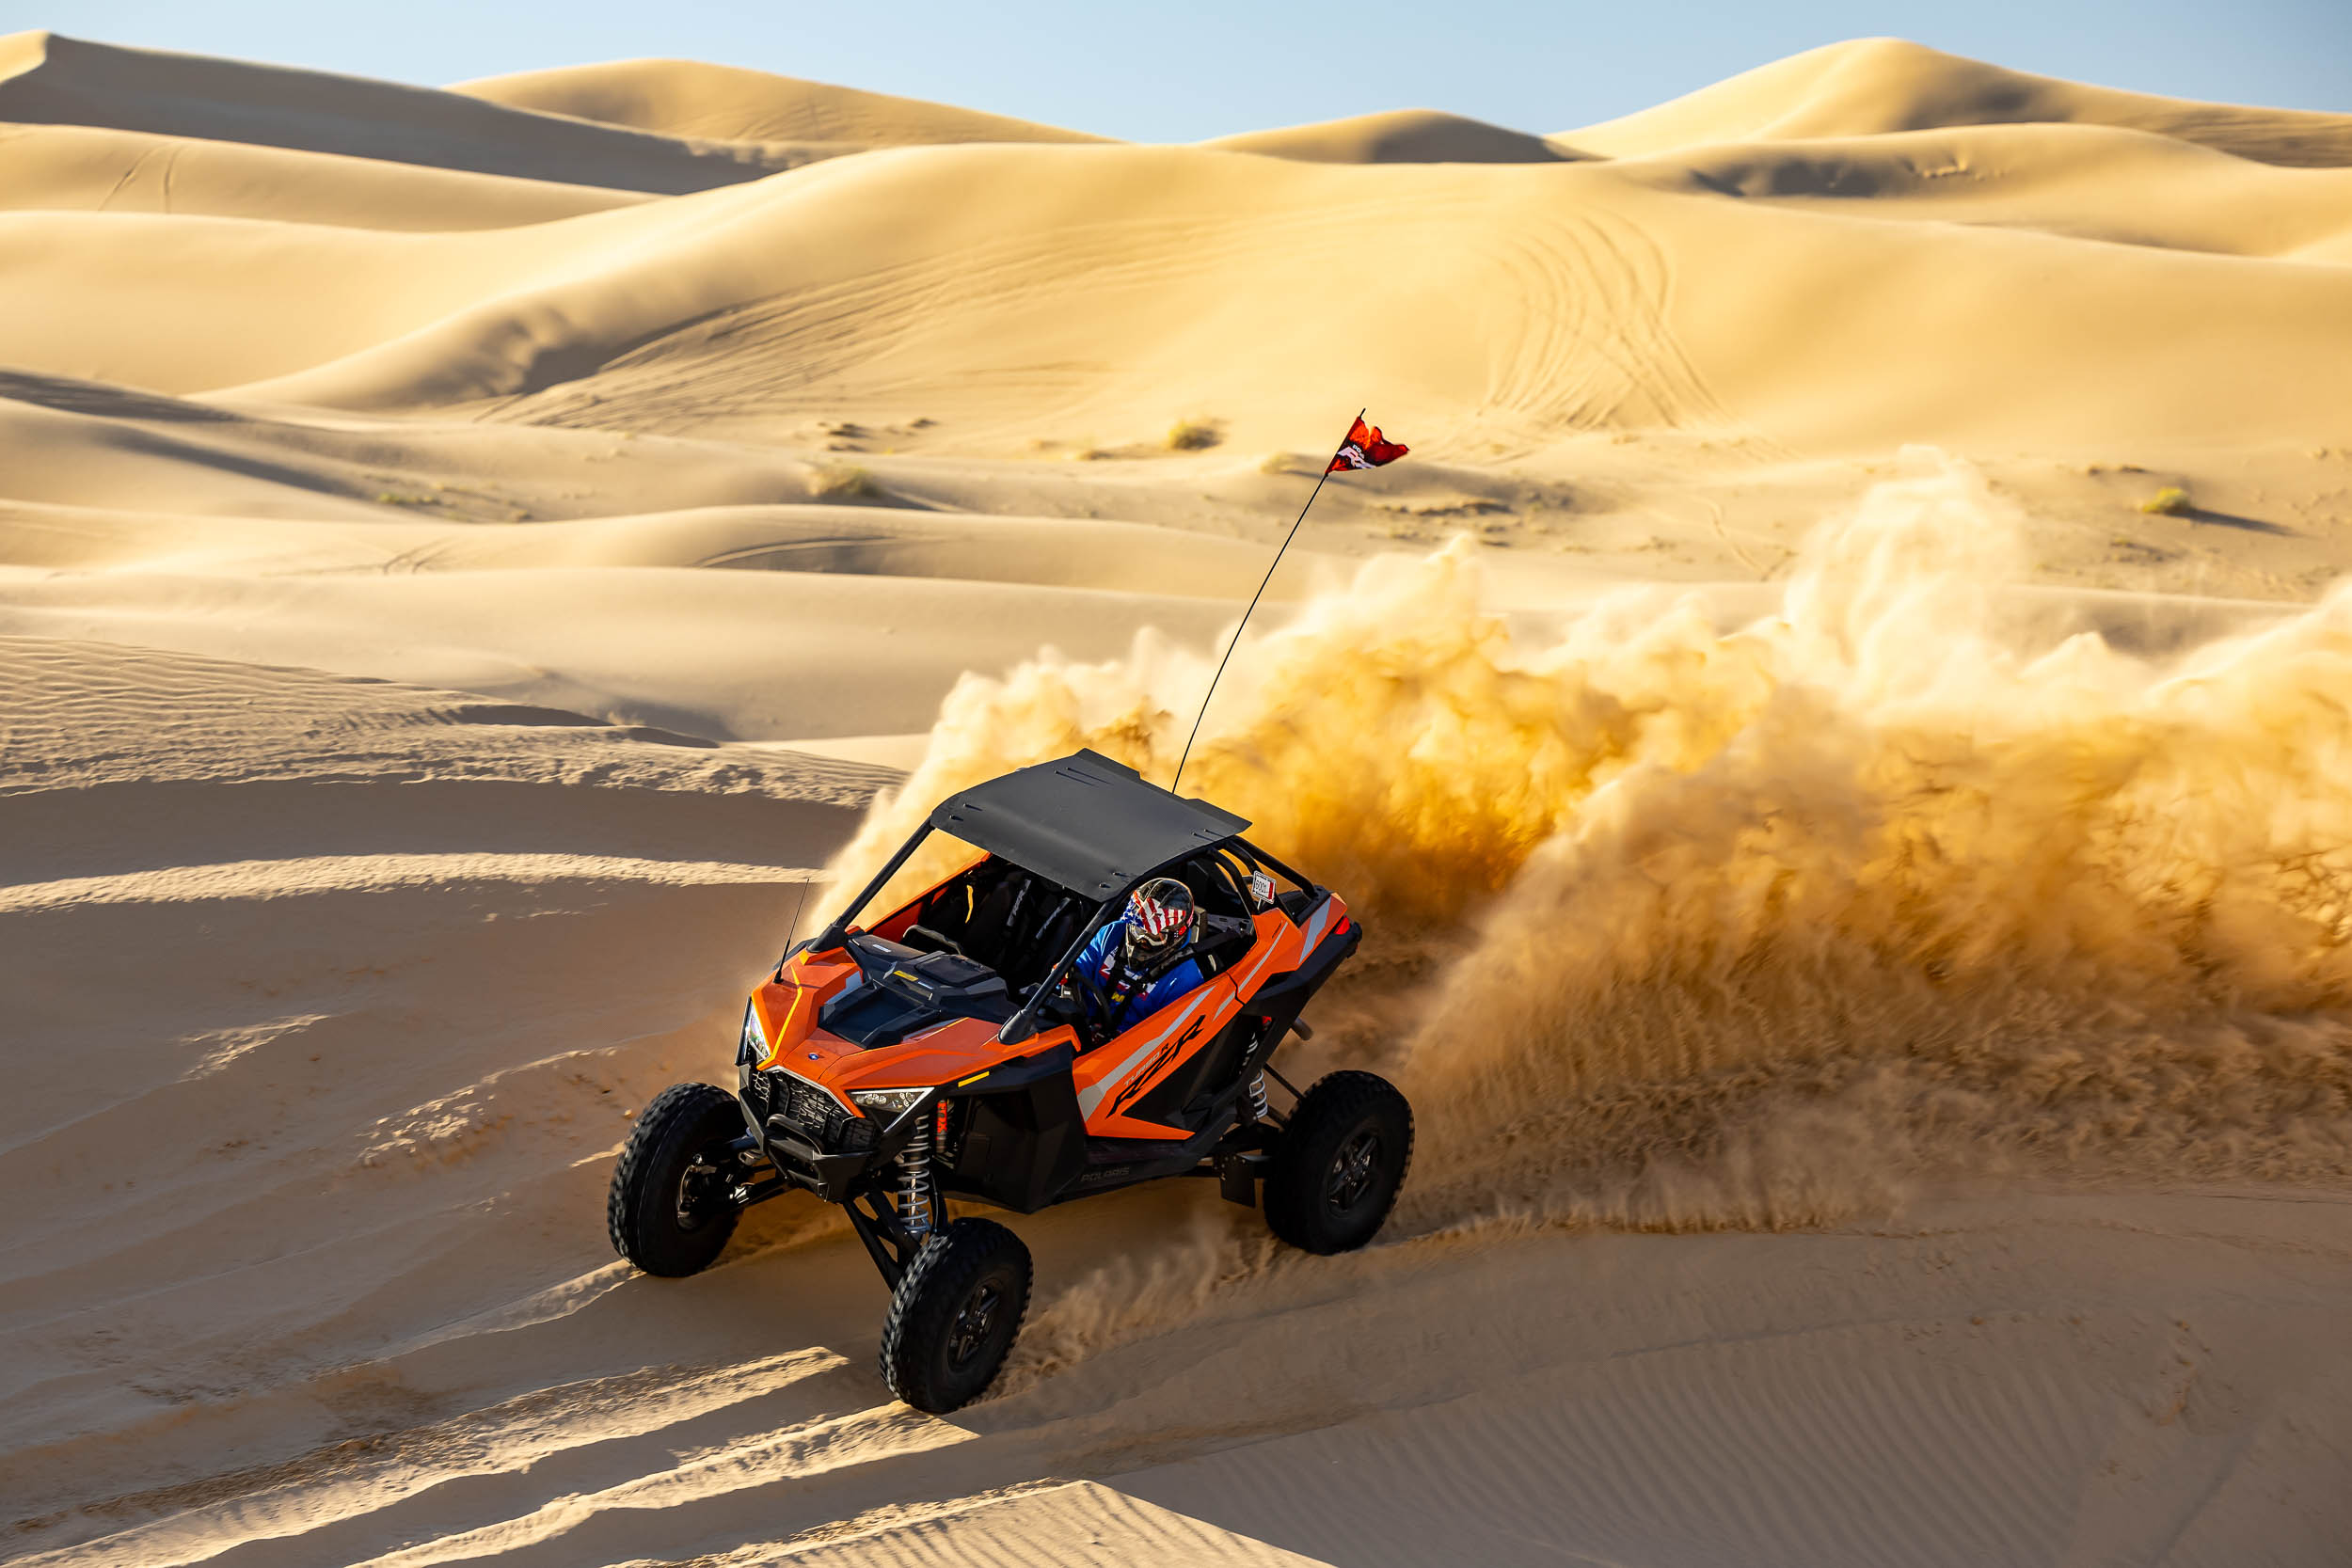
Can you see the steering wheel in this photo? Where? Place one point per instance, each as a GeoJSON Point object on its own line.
{"type": "Point", "coordinates": [1095, 1013]}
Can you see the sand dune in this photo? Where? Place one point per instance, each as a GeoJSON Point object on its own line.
{"type": "Point", "coordinates": [2078, 182]}
{"type": "Point", "coordinates": [543, 639]}
{"type": "Point", "coordinates": [1103, 291]}
{"type": "Point", "coordinates": [689, 98]}
{"type": "Point", "coordinates": [1836, 732]}
{"type": "Point", "coordinates": [50, 80]}
{"type": "Point", "coordinates": [1399, 136]}
{"type": "Point", "coordinates": [1870, 86]}
{"type": "Point", "coordinates": [83, 169]}
{"type": "Point", "coordinates": [1610, 315]}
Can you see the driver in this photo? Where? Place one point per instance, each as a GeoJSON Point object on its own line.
{"type": "Point", "coordinates": [1138, 959]}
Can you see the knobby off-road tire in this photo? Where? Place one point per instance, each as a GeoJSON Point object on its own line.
{"type": "Point", "coordinates": [657, 1221]}
{"type": "Point", "coordinates": [1339, 1163]}
{"type": "Point", "coordinates": [955, 1314]}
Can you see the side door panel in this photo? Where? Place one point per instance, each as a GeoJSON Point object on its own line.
{"type": "Point", "coordinates": [1112, 1077]}
{"type": "Point", "coordinates": [1116, 1082]}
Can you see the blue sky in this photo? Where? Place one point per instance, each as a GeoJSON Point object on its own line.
{"type": "Point", "coordinates": [1179, 72]}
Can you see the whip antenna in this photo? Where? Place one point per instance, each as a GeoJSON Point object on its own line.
{"type": "Point", "coordinates": [798, 905]}
{"type": "Point", "coordinates": [1362, 449]}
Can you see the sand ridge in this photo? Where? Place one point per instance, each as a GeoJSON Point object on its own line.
{"type": "Point", "coordinates": [47, 78]}
{"type": "Point", "coordinates": [1835, 734]}
{"type": "Point", "coordinates": [91, 168]}
{"type": "Point", "coordinates": [1870, 86]}
{"type": "Point", "coordinates": [691, 99]}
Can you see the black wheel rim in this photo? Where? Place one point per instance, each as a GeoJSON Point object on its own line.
{"type": "Point", "coordinates": [698, 1187]}
{"type": "Point", "coordinates": [1354, 1168]}
{"type": "Point", "coordinates": [974, 1321]}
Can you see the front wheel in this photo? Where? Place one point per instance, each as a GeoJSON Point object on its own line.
{"type": "Point", "coordinates": [955, 1314]}
{"type": "Point", "coordinates": [669, 1211]}
{"type": "Point", "coordinates": [1341, 1160]}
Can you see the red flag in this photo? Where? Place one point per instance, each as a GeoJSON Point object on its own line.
{"type": "Point", "coordinates": [1365, 449]}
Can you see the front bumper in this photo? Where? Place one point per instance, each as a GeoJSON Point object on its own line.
{"type": "Point", "coordinates": [800, 1130]}
{"type": "Point", "coordinates": [831, 1177]}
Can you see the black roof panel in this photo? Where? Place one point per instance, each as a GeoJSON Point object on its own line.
{"type": "Point", "coordinates": [1086, 822]}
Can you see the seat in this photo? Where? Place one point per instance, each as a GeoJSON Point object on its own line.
{"type": "Point", "coordinates": [1056, 928]}
{"type": "Point", "coordinates": [987, 933]}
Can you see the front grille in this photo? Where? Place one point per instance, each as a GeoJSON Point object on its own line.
{"type": "Point", "coordinates": [806, 1111]}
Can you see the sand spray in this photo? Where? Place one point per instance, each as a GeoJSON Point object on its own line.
{"type": "Point", "coordinates": [1678, 926]}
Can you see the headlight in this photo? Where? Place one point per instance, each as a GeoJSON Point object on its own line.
{"type": "Point", "coordinates": [887, 1104]}
{"type": "Point", "coordinates": [754, 1047]}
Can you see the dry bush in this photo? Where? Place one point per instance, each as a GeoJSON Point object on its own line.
{"type": "Point", "coordinates": [842, 482]}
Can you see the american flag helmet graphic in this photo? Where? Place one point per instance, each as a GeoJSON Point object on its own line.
{"type": "Point", "coordinates": [1158, 913]}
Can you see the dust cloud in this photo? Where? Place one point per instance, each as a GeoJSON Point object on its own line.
{"type": "Point", "coordinates": [1761, 927]}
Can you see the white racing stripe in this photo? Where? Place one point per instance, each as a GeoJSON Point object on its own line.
{"type": "Point", "coordinates": [1321, 918]}
{"type": "Point", "coordinates": [1089, 1098]}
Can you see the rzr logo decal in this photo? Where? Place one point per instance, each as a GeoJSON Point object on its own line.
{"type": "Point", "coordinates": [1160, 1058]}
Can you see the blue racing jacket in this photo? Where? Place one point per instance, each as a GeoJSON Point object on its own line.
{"type": "Point", "coordinates": [1100, 961]}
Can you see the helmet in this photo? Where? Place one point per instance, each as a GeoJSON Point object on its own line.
{"type": "Point", "coordinates": [1158, 914]}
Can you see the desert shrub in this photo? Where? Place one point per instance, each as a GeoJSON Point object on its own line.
{"type": "Point", "coordinates": [1193, 435]}
{"type": "Point", "coordinates": [2170, 502]}
{"type": "Point", "coordinates": [843, 481]}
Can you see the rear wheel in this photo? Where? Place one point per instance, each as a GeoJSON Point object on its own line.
{"type": "Point", "coordinates": [1341, 1160]}
{"type": "Point", "coordinates": [955, 1314]}
{"type": "Point", "coordinates": [668, 1212]}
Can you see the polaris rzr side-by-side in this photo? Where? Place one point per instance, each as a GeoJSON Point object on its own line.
{"type": "Point", "coordinates": [969, 1044]}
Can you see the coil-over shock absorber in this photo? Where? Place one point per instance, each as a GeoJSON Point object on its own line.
{"type": "Point", "coordinates": [914, 1183]}
{"type": "Point", "coordinates": [1258, 1108]}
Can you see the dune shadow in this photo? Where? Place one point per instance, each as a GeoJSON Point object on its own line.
{"type": "Point", "coordinates": [103, 400]}
{"type": "Point", "coordinates": [2235, 520]}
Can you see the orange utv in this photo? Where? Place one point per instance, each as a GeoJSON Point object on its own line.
{"type": "Point", "coordinates": [952, 1047]}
